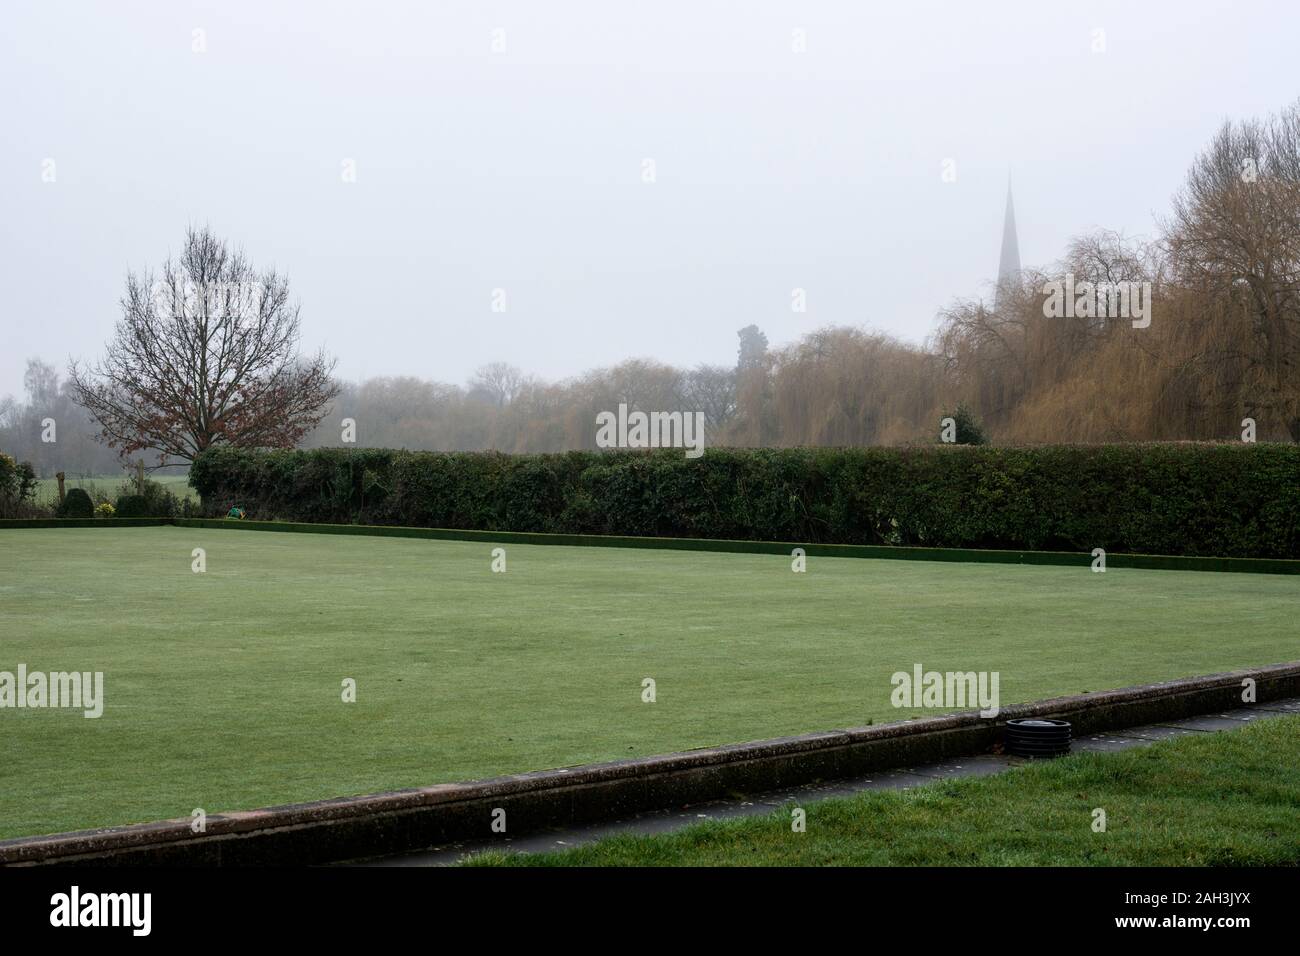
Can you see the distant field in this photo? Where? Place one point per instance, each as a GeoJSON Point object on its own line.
{"type": "Point", "coordinates": [47, 489]}
{"type": "Point", "coordinates": [223, 688]}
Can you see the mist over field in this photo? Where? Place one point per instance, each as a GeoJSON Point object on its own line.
{"type": "Point", "coordinates": [500, 222]}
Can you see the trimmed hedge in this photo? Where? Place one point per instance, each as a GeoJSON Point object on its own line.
{"type": "Point", "coordinates": [1228, 500]}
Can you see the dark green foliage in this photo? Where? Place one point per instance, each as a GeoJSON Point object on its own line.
{"type": "Point", "coordinates": [159, 501]}
{"type": "Point", "coordinates": [132, 506]}
{"type": "Point", "coordinates": [26, 476]}
{"type": "Point", "coordinates": [966, 427]}
{"type": "Point", "coordinates": [156, 502]}
{"type": "Point", "coordinates": [77, 504]}
{"type": "Point", "coordinates": [1179, 499]}
{"type": "Point", "coordinates": [17, 487]}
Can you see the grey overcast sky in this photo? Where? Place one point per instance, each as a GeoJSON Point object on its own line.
{"type": "Point", "coordinates": [522, 169]}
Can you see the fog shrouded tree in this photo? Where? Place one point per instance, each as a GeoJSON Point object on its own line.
{"type": "Point", "coordinates": [711, 389]}
{"type": "Point", "coordinates": [206, 355]}
{"type": "Point", "coordinates": [49, 429]}
{"type": "Point", "coordinates": [1234, 242]}
{"type": "Point", "coordinates": [498, 383]}
{"type": "Point", "coordinates": [753, 393]}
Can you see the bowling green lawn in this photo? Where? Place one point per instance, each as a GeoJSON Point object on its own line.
{"type": "Point", "coordinates": [223, 689]}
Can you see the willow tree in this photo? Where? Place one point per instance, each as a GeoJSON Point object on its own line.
{"type": "Point", "coordinates": [205, 354]}
{"type": "Point", "coordinates": [1234, 244]}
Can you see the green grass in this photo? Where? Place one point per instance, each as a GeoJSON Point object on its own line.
{"type": "Point", "coordinates": [223, 689]}
{"type": "Point", "coordinates": [47, 489]}
{"type": "Point", "coordinates": [1223, 799]}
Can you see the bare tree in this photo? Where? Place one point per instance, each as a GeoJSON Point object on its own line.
{"type": "Point", "coordinates": [499, 383]}
{"type": "Point", "coordinates": [1234, 245]}
{"type": "Point", "coordinates": [1105, 257]}
{"type": "Point", "coordinates": [205, 356]}
{"type": "Point", "coordinates": [711, 389]}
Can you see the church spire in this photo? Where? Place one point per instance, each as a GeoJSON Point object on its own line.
{"type": "Point", "coordinates": [1009, 264]}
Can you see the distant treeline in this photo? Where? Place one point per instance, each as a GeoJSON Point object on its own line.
{"type": "Point", "coordinates": [1218, 343]}
{"type": "Point", "coordinates": [49, 412]}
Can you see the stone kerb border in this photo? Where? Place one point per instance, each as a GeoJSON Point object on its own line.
{"type": "Point", "coordinates": [407, 820]}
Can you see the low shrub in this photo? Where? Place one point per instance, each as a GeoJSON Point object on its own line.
{"type": "Point", "coordinates": [155, 502]}
{"type": "Point", "coordinates": [77, 504]}
{"type": "Point", "coordinates": [17, 487]}
{"type": "Point", "coordinates": [133, 506]}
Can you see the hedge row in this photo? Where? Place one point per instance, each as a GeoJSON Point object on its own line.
{"type": "Point", "coordinates": [1180, 499]}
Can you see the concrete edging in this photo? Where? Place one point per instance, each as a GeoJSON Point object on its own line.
{"type": "Point", "coordinates": [409, 820]}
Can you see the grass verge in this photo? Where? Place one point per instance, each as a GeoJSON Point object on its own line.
{"type": "Point", "coordinates": [1221, 799]}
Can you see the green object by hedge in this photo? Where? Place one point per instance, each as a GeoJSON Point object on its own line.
{"type": "Point", "coordinates": [77, 504]}
{"type": "Point", "coordinates": [1227, 500]}
{"type": "Point", "coordinates": [133, 506]}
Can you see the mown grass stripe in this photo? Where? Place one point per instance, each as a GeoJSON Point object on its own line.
{"type": "Point", "coordinates": [1150, 562]}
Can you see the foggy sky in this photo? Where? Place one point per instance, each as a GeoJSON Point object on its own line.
{"type": "Point", "coordinates": [522, 170]}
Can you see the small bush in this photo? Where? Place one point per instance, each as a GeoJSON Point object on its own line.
{"type": "Point", "coordinates": [133, 506]}
{"type": "Point", "coordinates": [967, 428]}
{"type": "Point", "coordinates": [156, 502]}
{"type": "Point", "coordinates": [17, 486]}
{"type": "Point", "coordinates": [162, 503]}
{"type": "Point", "coordinates": [104, 509]}
{"type": "Point", "coordinates": [77, 504]}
